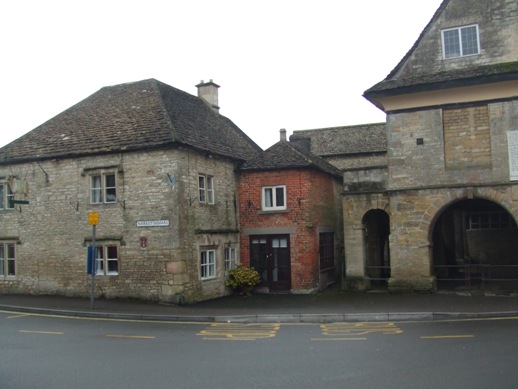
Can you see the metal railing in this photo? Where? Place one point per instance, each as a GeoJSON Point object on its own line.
{"type": "Point", "coordinates": [377, 273]}
{"type": "Point", "coordinates": [484, 276]}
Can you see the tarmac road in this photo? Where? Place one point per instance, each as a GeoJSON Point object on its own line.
{"type": "Point", "coordinates": [42, 351]}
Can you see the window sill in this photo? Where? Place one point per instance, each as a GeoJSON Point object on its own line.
{"type": "Point", "coordinates": [208, 278]}
{"type": "Point", "coordinates": [268, 212]}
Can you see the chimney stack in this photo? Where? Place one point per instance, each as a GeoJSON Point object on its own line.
{"type": "Point", "coordinates": [302, 142]}
{"type": "Point", "coordinates": [283, 134]}
{"type": "Point", "coordinates": [208, 91]}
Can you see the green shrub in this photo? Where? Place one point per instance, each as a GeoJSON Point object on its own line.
{"type": "Point", "coordinates": [242, 276]}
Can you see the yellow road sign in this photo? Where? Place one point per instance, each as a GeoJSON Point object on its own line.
{"type": "Point", "coordinates": [93, 218]}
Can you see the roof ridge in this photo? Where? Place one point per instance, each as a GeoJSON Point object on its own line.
{"type": "Point", "coordinates": [351, 126]}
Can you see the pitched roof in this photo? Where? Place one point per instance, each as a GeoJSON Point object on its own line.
{"type": "Point", "coordinates": [128, 117]}
{"type": "Point", "coordinates": [428, 80]}
{"type": "Point", "coordinates": [289, 155]}
{"type": "Point", "coordinates": [473, 75]}
{"type": "Point", "coordinates": [358, 139]}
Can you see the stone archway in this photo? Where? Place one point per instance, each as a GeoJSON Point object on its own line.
{"type": "Point", "coordinates": [376, 224]}
{"type": "Point", "coordinates": [474, 244]}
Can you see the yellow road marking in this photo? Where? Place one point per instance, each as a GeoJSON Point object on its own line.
{"type": "Point", "coordinates": [17, 316]}
{"type": "Point", "coordinates": [338, 338]}
{"type": "Point", "coordinates": [235, 331]}
{"type": "Point", "coordinates": [346, 329]}
{"type": "Point", "coordinates": [447, 337]}
{"type": "Point", "coordinates": [41, 332]}
{"type": "Point", "coordinates": [229, 339]}
{"type": "Point", "coordinates": [130, 336]}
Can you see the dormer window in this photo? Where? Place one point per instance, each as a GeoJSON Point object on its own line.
{"type": "Point", "coordinates": [460, 41]}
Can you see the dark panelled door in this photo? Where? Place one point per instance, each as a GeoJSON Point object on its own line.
{"type": "Point", "coordinates": [270, 256]}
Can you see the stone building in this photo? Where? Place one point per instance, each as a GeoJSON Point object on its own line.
{"type": "Point", "coordinates": [290, 217]}
{"type": "Point", "coordinates": [428, 199]}
{"type": "Point", "coordinates": [156, 164]}
{"type": "Point", "coordinates": [439, 207]}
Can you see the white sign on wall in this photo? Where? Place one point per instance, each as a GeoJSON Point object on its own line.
{"type": "Point", "coordinates": [152, 223]}
{"type": "Point", "coordinates": [512, 145]}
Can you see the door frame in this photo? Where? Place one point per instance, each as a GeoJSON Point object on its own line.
{"type": "Point", "coordinates": [269, 257]}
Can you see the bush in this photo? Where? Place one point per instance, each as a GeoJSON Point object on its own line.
{"type": "Point", "coordinates": [242, 276]}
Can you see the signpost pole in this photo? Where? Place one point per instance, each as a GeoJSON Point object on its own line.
{"type": "Point", "coordinates": [93, 219]}
{"type": "Point", "coordinates": [94, 268]}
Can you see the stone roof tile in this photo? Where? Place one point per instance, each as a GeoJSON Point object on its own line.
{"type": "Point", "coordinates": [358, 139]}
{"type": "Point", "coordinates": [129, 117]}
{"type": "Point", "coordinates": [289, 155]}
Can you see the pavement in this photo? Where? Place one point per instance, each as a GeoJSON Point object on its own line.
{"type": "Point", "coordinates": [332, 305]}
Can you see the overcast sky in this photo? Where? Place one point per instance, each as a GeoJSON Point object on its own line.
{"type": "Point", "coordinates": [292, 64]}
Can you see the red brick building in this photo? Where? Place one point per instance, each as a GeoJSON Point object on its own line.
{"type": "Point", "coordinates": [290, 218]}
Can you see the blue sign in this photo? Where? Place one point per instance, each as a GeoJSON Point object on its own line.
{"type": "Point", "coordinates": [90, 260]}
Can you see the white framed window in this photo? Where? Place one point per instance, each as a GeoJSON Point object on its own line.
{"type": "Point", "coordinates": [7, 260]}
{"type": "Point", "coordinates": [107, 260]}
{"type": "Point", "coordinates": [103, 188]}
{"type": "Point", "coordinates": [207, 264]}
{"type": "Point", "coordinates": [206, 188]}
{"type": "Point", "coordinates": [230, 258]}
{"type": "Point", "coordinates": [460, 41]}
{"type": "Point", "coordinates": [6, 196]}
{"type": "Point", "coordinates": [274, 198]}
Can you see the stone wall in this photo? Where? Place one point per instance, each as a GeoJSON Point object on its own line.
{"type": "Point", "coordinates": [355, 206]}
{"type": "Point", "coordinates": [498, 28]}
{"type": "Point", "coordinates": [52, 231]}
{"type": "Point", "coordinates": [414, 164]}
{"type": "Point", "coordinates": [435, 158]}
{"type": "Point", "coordinates": [357, 161]}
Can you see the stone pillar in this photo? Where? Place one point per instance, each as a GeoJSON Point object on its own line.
{"type": "Point", "coordinates": [354, 249]}
{"type": "Point", "coordinates": [410, 250]}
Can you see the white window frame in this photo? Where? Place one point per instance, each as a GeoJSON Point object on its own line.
{"type": "Point", "coordinates": [459, 41]}
{"type": "Point", "coordinates": [206, 188]}
{"type": "Point", "coordinates": [106, 261]}
{"type": "Point", "coordinates": [6, 195]}
{"type": "Point", "coordinates": [230, 258]}
{"type": "Point", "coordinates": [101, 190]}
{"type": "Point", "coordinates": [207, 264]}
{"type": "Point", "coordinates": [7, 260]}
{"type": "Point", "coordinates": [269, 198]}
